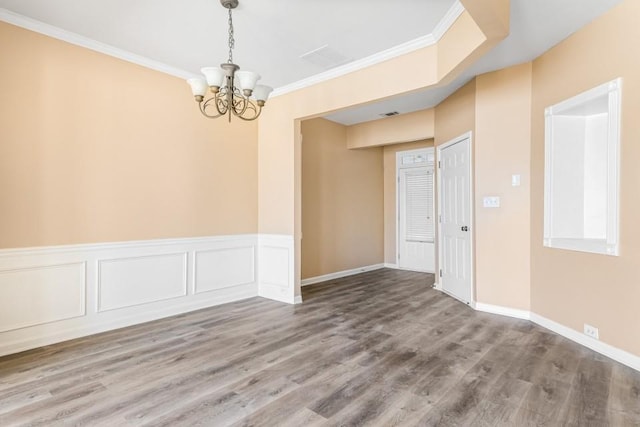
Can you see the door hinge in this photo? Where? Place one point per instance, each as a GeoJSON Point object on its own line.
{"type": "Point", "coordinates": [439, 218]}
{"type": "Point", "coordinates": [438, 164]}
{"type": "Point", "coordinates": [440, 272]}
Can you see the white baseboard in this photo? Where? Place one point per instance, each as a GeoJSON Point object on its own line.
{"type": "Point", "coordinates": [53, 294]}
{"type": "Point", "coordinates": [416, 270]}
{"type": "Point", "coordinates": [390, 265]}
{"type": "Point", "coordinates": [340, 274]}
{"type": "Point", "coordinates": [297, 299]}
{"type": "Point", "coordinates": [610, 351]}
{"type": "Point", "coordinates": [503, 311]}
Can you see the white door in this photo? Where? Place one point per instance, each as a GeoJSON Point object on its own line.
{"type": "Point", "coordinates": [455, 218]}
{"type": "Point", "coordinates": [416, 224]}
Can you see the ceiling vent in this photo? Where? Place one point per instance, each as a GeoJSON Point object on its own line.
{"type": "Point", "coordinates": [325, 57]}
{"type": "Point", "coordinates": [389, 114]}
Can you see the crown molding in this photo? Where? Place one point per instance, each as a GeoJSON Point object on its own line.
{"type": "Point", "coordinates": [86, 42]}
{"type": "Point", "coordinates": [421, 42]}
{"type": "Point", "coordinates": [447, 20]}
{"type": "Point", "coordinates": [58, 33]}
{"type": "Point", "coordinates": [356, 65]}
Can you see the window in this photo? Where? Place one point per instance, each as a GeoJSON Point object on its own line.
{"type": "Point", "coordinates": [582, 139]}
{"type": "Point", "coordinates": [419, 209]}
{"type": "Point", "coordinates": [415, 174]}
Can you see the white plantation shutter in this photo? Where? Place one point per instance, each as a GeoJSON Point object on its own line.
{"type": "Point", "coordinates": [419, 211]}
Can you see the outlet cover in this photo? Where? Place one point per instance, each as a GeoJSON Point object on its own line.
{"type": "Point", "coordinates": [591, 331]}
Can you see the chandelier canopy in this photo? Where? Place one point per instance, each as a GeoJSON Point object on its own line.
{"type": "Point", "coordinates": [233, 92]}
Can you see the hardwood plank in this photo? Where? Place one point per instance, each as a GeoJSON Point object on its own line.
{"type": "Point", "coordinates": [624, 392]}
{"type": "Point", "coordinates": [380, 348]}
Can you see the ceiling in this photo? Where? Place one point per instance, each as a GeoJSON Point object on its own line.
{"type": "Point", "coordinates": [273, 36]}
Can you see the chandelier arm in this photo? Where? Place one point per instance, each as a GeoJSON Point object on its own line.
{"type": "Point", "coordinates": [257, 114]}
{"type": "Point", "coordinates": [251, 106]}
{"type": "Point", "coordinates": [222, 106]}
{"type": "Point", "coordinates": [213, 101]}
{"type": "Point", "coordinates": [238, 99]}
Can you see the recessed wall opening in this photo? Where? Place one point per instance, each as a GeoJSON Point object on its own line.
{"type": "Point", "coordinates": [581, 171]}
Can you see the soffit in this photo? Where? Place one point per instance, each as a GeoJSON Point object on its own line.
{"type": "Point", "coordinates": [536, 26]}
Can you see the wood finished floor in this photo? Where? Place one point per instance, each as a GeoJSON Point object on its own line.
{"type": "Point", "coordinates": [380, 348]}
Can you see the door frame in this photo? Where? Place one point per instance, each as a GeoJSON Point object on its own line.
{"type": "Point", "coordinates": [399, 155]}
{"type": "Point", "coordinates": [472, 240]}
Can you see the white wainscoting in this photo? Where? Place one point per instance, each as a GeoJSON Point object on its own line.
{"type": "Point", "coordinates": [223, 268]}
{"type": "Point", "coordinates": [53, 294]}
{"type": "Point", "coordinates": [41, 294]}
{"type": "Point", "coordinates": [276, 262]}
{"type": "Point", "coordinates": [126, 282]}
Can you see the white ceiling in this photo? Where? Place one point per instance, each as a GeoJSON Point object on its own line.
{"type": "Point", "coordinates": [272, 35]}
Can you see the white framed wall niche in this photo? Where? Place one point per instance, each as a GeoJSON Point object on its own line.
{"type": "Point", "coordinates": [582, 162]}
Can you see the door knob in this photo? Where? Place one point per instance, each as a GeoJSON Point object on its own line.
{"type": "Point", "coordinates": [465, 228]}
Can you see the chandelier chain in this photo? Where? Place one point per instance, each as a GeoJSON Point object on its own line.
{"type": "Point", "coordinates": [232, 41]}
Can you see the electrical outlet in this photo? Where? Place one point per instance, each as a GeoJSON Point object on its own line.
{"type": "Point", "coordinates": [591, 331]}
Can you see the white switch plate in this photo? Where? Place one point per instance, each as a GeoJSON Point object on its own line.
{"type": "Point", "coordinates": [491, 202]}
{"type": "Point", "coordinates": [515, 180]}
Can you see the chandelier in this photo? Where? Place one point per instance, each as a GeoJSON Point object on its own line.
{"type": "Point", "coordinates": [233, 92]}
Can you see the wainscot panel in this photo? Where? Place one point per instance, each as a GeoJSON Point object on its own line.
{"type": "Point", "coordinates": [276, 266]}
{"type": "Point", "coordinates": [53, 294]}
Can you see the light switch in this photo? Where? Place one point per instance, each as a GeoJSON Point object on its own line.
{"type": "Point", "coordinates": [491, 202]}
{"type": "Point", "coordinates": [515, 180]}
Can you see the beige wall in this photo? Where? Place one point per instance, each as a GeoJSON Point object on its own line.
{"type": "Point", "coordinates": [94, 149]}
{"type": "Point", "coordinates": [392, 130]}
{"type": "Point", "coordinates": [574, 288]}
{"type": "Point", "coordinates": [279, 208]}
{"type": "Point", "coordinates": [342, 201]}
{"type": "Point", "coordinates": [390, 203]}
{"type": "Point", "coordinates": [278, 139]}
{"type": "Point", "coordinates": [502, 148]}
{"type": "Point", "coordinates": [456, 115]}
{"type": "Point", "coordinates": [460, 45]}
{"type": "Point", "coordinates": [279, 194]}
